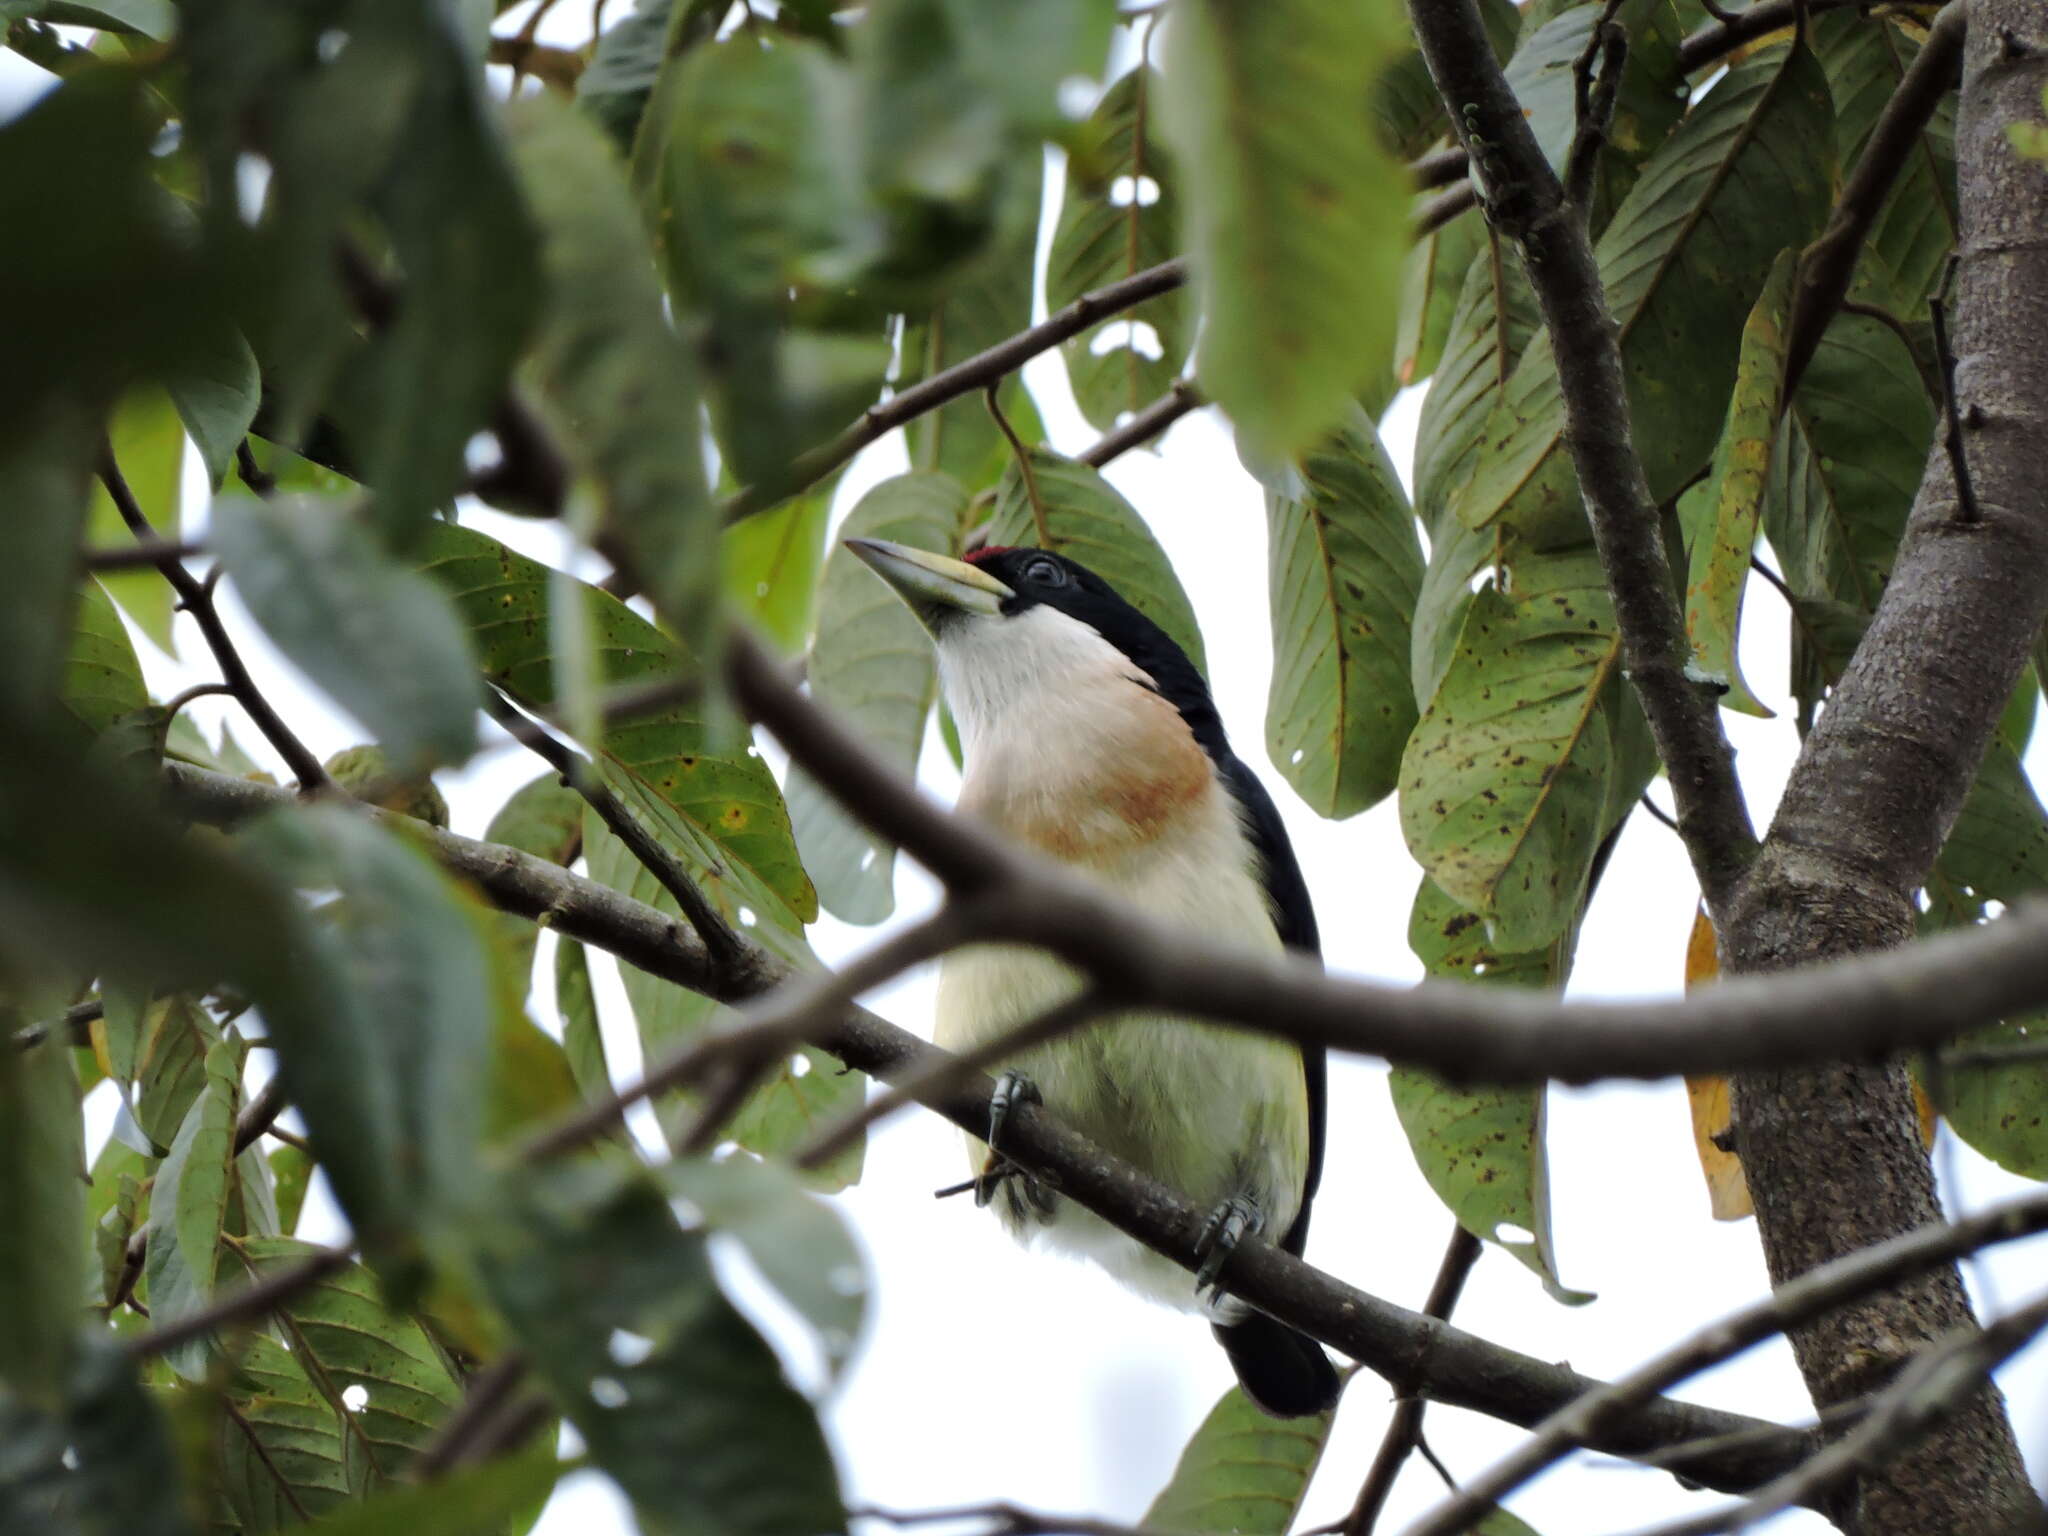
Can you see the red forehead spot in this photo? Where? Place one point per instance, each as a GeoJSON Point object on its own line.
{"type": "Point", "coordinates": [988, 552]}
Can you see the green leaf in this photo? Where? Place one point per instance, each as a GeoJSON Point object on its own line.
{"type": "Point", "coordinates": [100, 1461]}
{"type": "Point", "coordinates": [217, 389]}
{"type": "Point", "coordinates": [1295, 214]}
{"type": "Point", "coordinates": [1746, 175]}
{"type": "Point", "coordinates": [292, 1171]}
{"type": "Point", "coordinates": [582, 1039]}
{"type": "Point", "coordinates": [1344, 565]}
{"type": "Point", "coordinates": [616, 378]}
{"type": "Point", "coordinates": [189, 1205]}
{"type": "Point", "coordinates": [1120, 214]}
{"type": "Point", "coordinates": [1242, 1471]}
{"type": "Point", "coordinates": [102, 678]}
{"type": "Point", "coordinates": [394, 1080]}
{"type": "Point", "coordinates": [1847, 462]}
{"type": "Point", "coordinates": [1432, 280]}
{"type": "Point", "coordinates": [1719, 564]}
{"type": "Point", "coordinates": [285, 1454]}
{"type": "Point", "coordinates": [154, 19]}
{"type": "Point", "coordinates": [799, 1243]}
{"type": "Point", "coordinates": [167, 1063]}
{"type": "Point", "coordinates": [1865, 59]}
{"type": "Point", "coordinates": [376, 636]}
{"type": "Point", "coordinates": [378, 1370]}
{"type": "Point", "coordinates": [43, 484]}
{"type": "Point", "coordinates": [490, 1498]}
{"type": "Point", "coordinates": [1505, 780]}
{"type": "Point", "coordinates": [986, 302]}
{"type": "Point", "coordinates": [694, 1418]}
{"type": "Point", "coordinates": [543, 817]}
{"type": "Point", "coordinates": [872, 662]}
{"type": "Point", "coordinates": [1482, 1149]}
{"type": "Point", "coordinates": [619, 80]}
{"type": "Point", "coordinates": [771, 563]}
{"type": "Point", "coordinates": [42, 1210]}
{"type": "Point", "coordinates": [729, 800]}
{"type": "Point", "coordinates": [1648, 102]}
{"type": "Point", "coordinates": [148, 442]}
{"type": "Point", "coordinates": [804, 1092]}
{"type": "Point", "coordinates": [1050, 502]}
{"type": "Point", "coordinates": [2001, 1110]}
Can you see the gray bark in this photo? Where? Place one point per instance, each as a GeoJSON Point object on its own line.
{"type": "Point", "coordinates": [1833, 1156]}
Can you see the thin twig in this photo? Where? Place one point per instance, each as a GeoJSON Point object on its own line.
{"type": "Point", "coordinates": [146, 554]}
{"type": "Point", "coordinates": [961, 379]}
{"type": "Point", "coordinates": [580, 775]}
{"type": "Point", "coordinates": [1792, 1304]}
{"type": "Point", "coordinates": [1404, 1427]}
{"type": "Point", "coordinates": [1005, 1519]}
{"type": "Point", "coordinates": [1953, 414]}
{"type": "Point", "coordinates": [488, 1389]}
{"type": "Point", "coordinates": [1593, 109]}
{"type": "Point", "coordinates": [1526, 202]}
{"type": "Point", "coordinates": [1146, 424]}
{"type": "Point", "coordinates": [259, 1115]}
{"type": "Point", "coordinates": [1438, 211]}
{"type": "Point", "coordinates": [243, 1305]}
{"type": "Point", "coordinates": [197, 598]}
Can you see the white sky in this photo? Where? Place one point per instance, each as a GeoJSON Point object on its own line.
{"type": "Point", "coordinates": [989, 1372]}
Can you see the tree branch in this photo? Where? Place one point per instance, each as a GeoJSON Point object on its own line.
{"type": "Point", "coordinates": [1450, 1366]}
{"type": "Point", "coordinates": [1147, 424]}
{"type": "Point", "coordinates": [197, 599]}
{"type": "Point", "coordinates": [1827, 265]}
{"type": "Point", "coordinates": [1525, 202]}
{"type": "Point", "coordinates": [250, 1302]}
{"type": "Point", "coordinates": [1812, 1294]}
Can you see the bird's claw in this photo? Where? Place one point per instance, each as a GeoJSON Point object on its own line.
{"type": "Point", "coordinates": [1229, 1224]}
{"type": "Point", "coordinates": [1012, 1089]}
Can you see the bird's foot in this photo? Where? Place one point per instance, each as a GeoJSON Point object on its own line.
{"type": "Point", "coordinates": [1229, 1224]}
{"type": "Point", "coordinates": [1025, 1194]}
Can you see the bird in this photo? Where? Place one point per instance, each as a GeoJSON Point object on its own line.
{"type": "Point", "coordinates": [1089, 736]}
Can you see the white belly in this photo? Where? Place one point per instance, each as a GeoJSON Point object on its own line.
{"type": "Point", "coordinates": [1213, 1113]}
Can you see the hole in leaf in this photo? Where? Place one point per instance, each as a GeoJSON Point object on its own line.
{"type": "Point", "coordinates": [608, 1392]}
{"type": "Point", "coordinates": [1508, 1232]}
{"type": "Point", "coordinates": [1994, 909]}
{"type": "Point", "coordinates": [627, 1349]}
{"type": "Point", "coordinates": [330, 44]}
{"type": "Point", "coordinates": [867, 861]}
{"type": "Point", "coordinates": [481, 452]}
{"type": "Point", "coordinates": [1126, 190]}
{"type": "Point", "coordinates": [1299, 754]}
{"type": "Point", "coordinates": [252, 184]}
{"type": "Point", "coordinates": [355, 1397]}
{"type": "Point", "coordinates": [799, 1066]}
{"type": "Point", "coordinates": [1136, 335]}
{"type": "Point", "coordinates": [747, 918]}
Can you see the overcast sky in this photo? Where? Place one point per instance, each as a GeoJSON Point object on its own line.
{"type": "Point", "coordinates": [990, 1372]}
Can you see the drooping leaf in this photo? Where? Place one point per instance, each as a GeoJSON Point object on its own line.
{"type": "Point", "coordinates": [1121, 214]}
{"type": "Point", "coordinates": [1295, 213]}
{"type": "Point", "coordinates": [1505, 781]}
{"type": "Point", "coordinates": [729, 800]}
{"type": "Point", "coordinates": [1242, 1471]}
{"type": "Point", "coordinates": [617, 83]}
{"type": "Point", "coordinates": [989, 300]}
{"type": "Point", "coordinates": [378, 1370]}
{"type": "Point", "coordinates": [42, 1264]}
{"type": "Point", "coordinates": [148, 444]}
{"type": "Point", "coordinates": [771, 562]}
{"type": "Point", "coordinates": [691, 1413]}
{"type": "Point", "coordinates": [285, 1453]}
{"type": "Point", "coordinates": [217, 390]}
{"type": "Point", "coordinates": [872, 662]}
{"type": "Point", "coordinates": [1050, 502]}
{"type": "Point", "coordinates": [2000, 1108]}
{"type": "Point", "coordinates": [582, 1039]}
{"type": "Point", "coordinates": [1482, 1149]}
{"type": "Point", "coordinates": [615, 374]}
{"type": "Point", "coordinates": [1745, 176]}
{"type": "Point", "coordinates": [1343, 566]}
{"type": "Point", "coordinates": [1847, 463]}
{"type": "Point", "coordinates": [291, 1171]}
{"type": "Point", "coordinates": [803, 1092]}
{"type": "Point", "coordinates": [1865, 59]}
{"type": "Point", "coordinates": [1719, 566]}
{"type": "Point", "coordinates": [1713, 1112]}
{"type": "Point", "coordinates": [376, 636]}
{"type": "Point", "coordinates": [189, 1205]}
{"type": "Point", "coordinates": [102, 678]}
{"type": "Point", "coordinates": [1432, 279]}
{"type": "Point", "coordinates": [166, 1060]}
{"type": "Point", "coordinates": [393, 1083]}
{"type": "Point", "coordinates": [797, 1241]}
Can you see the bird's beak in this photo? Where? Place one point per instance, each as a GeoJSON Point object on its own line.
{"type": "Point", "coordinates": [935, 587]}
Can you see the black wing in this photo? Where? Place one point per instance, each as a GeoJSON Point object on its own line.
{"type": "Point", "coordinates": [1295, 918]}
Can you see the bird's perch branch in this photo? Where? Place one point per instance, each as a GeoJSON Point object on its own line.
{"type": "Point", "coordinates": [1525, 202]}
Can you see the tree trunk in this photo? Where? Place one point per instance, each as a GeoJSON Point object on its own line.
{"type": "Point", "coordinates": [1833, 1157]}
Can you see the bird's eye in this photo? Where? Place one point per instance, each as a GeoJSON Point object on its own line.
{"type": "Point", "coordinates": [1049, 573]}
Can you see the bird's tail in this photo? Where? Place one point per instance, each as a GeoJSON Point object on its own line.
{"type": "Point", "coordinates": [1283, 1372]}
